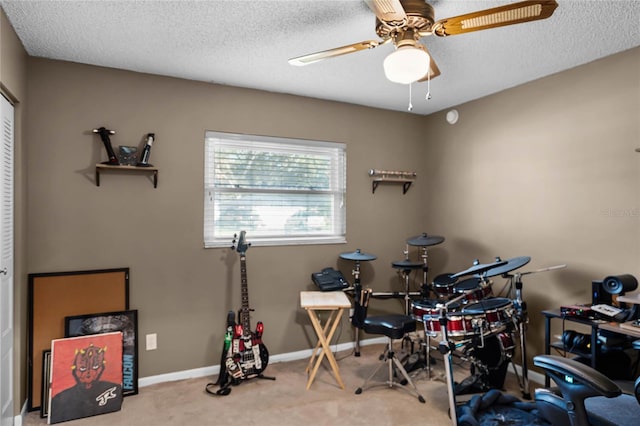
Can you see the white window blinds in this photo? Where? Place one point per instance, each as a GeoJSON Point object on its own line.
{"type": "Point", "coordinates": [281, 191]}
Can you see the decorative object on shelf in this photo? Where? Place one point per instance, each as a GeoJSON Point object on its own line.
{"type": "Point", "coordinates": [146, 151]}
{"type": "Point", "coordinates": [128, 155]}
{"type": "Point", "coordinates": [104, 135]}
{"type": "Point", "coordinates": [405, 178]}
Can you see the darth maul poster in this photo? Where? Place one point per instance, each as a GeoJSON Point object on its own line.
{"type": "Point", "coordinates": [86, 376]}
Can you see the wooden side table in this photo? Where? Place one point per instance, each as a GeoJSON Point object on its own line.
{"type": "Point", "coordinates": [335, 302]}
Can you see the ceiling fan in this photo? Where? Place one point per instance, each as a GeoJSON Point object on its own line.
{"type": "Point", "coordinates": [404, 22]}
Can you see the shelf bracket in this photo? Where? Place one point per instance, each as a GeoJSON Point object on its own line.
{"type": "Point", "coordinates": [405, 178]}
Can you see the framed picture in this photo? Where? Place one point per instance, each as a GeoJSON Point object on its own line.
{"type": "Point", "coordinates": [54, 296]}
{"type": "Point", "coordinates": [46, 380]}
{"type": "Point", "coordinates": [86, 376]}
{"type": "Point", "coordinates": [124, 321]}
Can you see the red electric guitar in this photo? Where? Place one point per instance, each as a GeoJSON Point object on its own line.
{"type": "Point", "coordinates": [247, 356]}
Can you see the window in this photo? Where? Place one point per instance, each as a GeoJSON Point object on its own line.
{"type": "Point", "coordinates": [281, 191]}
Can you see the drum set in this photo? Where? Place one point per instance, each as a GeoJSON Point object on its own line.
{"type": "Point", "coordinates": [460, 312]}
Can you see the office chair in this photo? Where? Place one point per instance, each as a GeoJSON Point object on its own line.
{"type": "Point", "coordinates": [393, 326]}
{"type": "Point", "coordinates": [584, 396]}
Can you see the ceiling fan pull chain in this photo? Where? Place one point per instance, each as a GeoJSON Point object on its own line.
{"type": "Point", "coordinates": [428, 86]}
{"type": "Point", "coordinates": [410, 104]}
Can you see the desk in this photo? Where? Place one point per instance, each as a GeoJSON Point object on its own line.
{"type": "Point", "coordinates": [335, 302]}
{"type": "Point", "coordinates": [592, 355]}
{"type": "Point", "coordinates": [595, 325]}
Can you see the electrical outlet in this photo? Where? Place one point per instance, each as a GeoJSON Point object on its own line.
{"type": "Point", "coordinates": [152, 342]}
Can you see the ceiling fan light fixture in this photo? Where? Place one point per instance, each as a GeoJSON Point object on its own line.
{"type": "Point", "coordinates": [406, 64]}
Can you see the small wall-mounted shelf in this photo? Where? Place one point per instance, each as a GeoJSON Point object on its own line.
{"type": "Point", "coordinates": [130, 169]}
{"type": "Point", "coordinates": [405, 178]}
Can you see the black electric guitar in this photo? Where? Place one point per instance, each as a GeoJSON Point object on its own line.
{"type": "Point", "coordinates": [247, 356]}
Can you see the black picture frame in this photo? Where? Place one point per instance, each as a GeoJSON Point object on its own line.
{"type": "Point", "coordinates": [107, 322]}
{"type": "Point", "coordinates": [46, 381]}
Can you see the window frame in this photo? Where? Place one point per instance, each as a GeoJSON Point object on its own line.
{"type": "Point", "coordinates": [337, 153]}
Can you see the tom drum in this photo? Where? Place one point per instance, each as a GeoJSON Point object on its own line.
{"type": "Point", "coordinates": [443, 284]}
{"type": "Point", "coordinates": [493, 315]}
{"type": "Point", "coordinates": [474, 288]}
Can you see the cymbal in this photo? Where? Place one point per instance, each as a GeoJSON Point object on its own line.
{"type": "Point", "coordinates": [407, 264]}
{"type": "Point", "coordinates": [479, 267]}
{"type": "Point", "coordinates": [512, 264]}
{"type": "Point", "coordinates": [358, 255]}
{"type": "Point", "coordinates": [425, 240]}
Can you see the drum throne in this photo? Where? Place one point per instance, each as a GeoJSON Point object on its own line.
{"type": "Point", "coordinates": [394, 327]}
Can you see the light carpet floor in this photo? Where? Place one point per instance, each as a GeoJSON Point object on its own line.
{"type": "Point", "coordinates": [286, 401]}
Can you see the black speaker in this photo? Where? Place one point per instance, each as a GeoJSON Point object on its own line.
{"type": "Point", "coordinates": [598, 295]}
{"type": "Point", "coordinates": [617, 284]}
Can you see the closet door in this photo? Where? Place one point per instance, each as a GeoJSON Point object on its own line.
{"type": "Point", "coordinates": [6, 264]}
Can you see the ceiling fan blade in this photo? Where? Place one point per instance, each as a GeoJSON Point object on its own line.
{"type": "Point", "coordinates": [515, 13]}
{"type": "Point", "coordinates": [434, 71]}
{"type": "Point", "coordinates": [387, 10]}
{"type": "Point", "coordinates": [338, 51]}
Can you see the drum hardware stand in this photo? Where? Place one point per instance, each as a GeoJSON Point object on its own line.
{"type": "Point", "coordinates": [357, 256]}
{"type": "Point", "coordinates": [522, 319]}
{"type": "Point", "coordinates": [405, 273]}
{"type": "Point", "coordinates": [444, 308]}
{"type": "Point", "coordinates": [357, 289]}
{"type": "Point", "coordinates": [426, 287]}
{"type": "Point", "coordinates": [446, 349]}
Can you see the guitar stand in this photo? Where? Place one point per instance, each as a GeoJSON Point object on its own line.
{"type": "Point", "coordinates": [225, 389]}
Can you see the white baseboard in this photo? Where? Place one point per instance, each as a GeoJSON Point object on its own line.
{"type": "Point", "coordinates": [19, 419]}
{"type": "Point", "coordinates": [215, 369]}
{"type": "Point", "coordinates": [286, 357]}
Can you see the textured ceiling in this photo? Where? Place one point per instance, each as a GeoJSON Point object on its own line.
{"type": "Point", "coordinates": [247, 44]}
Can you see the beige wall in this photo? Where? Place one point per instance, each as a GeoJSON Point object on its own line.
{"type": "Point", "coordinates": [547, 170]}
{"type": "Point", "coordinates": [13, 84]}
{"type": "Point", "coordinates": [182, 290]}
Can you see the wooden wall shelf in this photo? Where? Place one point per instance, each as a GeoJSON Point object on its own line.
{"type": "Point", "coordinates": [127, 169]}
{"type": "Point", "coordinates": [406, 183]}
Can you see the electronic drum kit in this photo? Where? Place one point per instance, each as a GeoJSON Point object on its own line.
{"type": "Point", "coordinates": [461, 310]}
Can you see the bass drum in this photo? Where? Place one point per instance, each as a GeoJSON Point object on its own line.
{"type": "Point", "coordinates": [495, 355]}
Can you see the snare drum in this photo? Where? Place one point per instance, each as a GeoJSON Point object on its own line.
{"type": "Point", "coordinates": [443, 284]}
{"type": "Point", "coordinates": [459, 326]}
{"type": "Point", "coordinates": [422, 308]}
{"type": "Point", "coordinates": [479, 291]}
{"type": "Point", "coordinates": [494, 313]}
